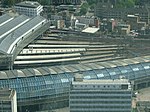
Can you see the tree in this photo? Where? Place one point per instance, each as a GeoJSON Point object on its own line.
{"type": "Point", "coordinates": [125, 3]}
{"type": "Point", "coordinates": [8, 3]}
{"type": "Point", "coordinates": [84, 8]}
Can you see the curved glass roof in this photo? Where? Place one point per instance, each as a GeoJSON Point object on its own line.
{"type": "Point", "coordinates": [117, 67]}
{"type": "Point", "coordinates": [128, 65]}
{"type": "Point", "coordinates": [33, 83]}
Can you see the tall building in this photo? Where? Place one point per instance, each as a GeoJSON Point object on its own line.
{"type": "Point", "coordinates": [8, 100]}
{"type": "Point", "coordinates": [100, 96]}
{"type": "Point", "coordinates": [29, 8]}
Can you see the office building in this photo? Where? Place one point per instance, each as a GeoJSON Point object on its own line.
{"type": "Point", "coordinates": [8, 100]}
{"type": "Point", "coordinates": [29, 8]}
{"type": "Point", "coordinates": [100, 96]}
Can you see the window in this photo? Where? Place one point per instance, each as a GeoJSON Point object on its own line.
{"type": "Point", "coordinates": [124, 86]}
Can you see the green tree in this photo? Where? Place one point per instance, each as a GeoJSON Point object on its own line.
{"type": "Point", "coordinates": [125, 3]}
{"type": "Point", "coordinates": [84, 8]}
{"type": "Point", "coordinates": [92, 3]}
{"type": "Point", "coordinates": [8, 3]}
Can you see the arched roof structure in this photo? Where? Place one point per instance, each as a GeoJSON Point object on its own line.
{"type": "Point", "coordinates": [54, 81]}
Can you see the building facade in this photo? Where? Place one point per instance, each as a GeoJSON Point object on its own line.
{"type": "Point", "coordinates": [100, 96]}
{"type": "Point", "coordinates": [8, 100]}
{"type": "Point", "coordinates": [29, 8]}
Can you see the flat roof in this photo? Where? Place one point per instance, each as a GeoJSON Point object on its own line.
{"type": "Point", "coordinates": [90, 30]}
{"type": "Point", "coordinates": [107, 81]}
{"type": "Point", "coordinates": [29, 4]}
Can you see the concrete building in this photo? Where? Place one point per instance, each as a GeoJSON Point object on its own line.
{"type": "Point", "coordinates": [29, 8]}
{"type": "Point", "coordinates": [8, 100]}
{"type": "Point", "coordinates": [100, 96]}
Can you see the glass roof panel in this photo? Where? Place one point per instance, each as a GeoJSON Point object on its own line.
{"type": "Point", "coordinates": [64, 78]}
{"type": "Point", "coordinates": [37, 73]}
{"type": "Point", "coordinates": [65, 69]}
{"type": "Point", "coordinates": [20, 73]}
{"type": "Point", "coordinates": [112, 64]}
{"type": "Point", "coordinates": [122, 62]}
{"type": "Point", "coordinates": [86, 67]}
{"type": "Point", "coordinates": [58, 69]}
{"type": "Point", "coordinates": [128, 61]}
{"type": "Point", "coordinates": [79, 67]}
{"type": "Point", "coordinates": [134, 61]}
{"type": "Point", "coordinates": [147, 57]}
{"type": "Point", "coordinates": [52, 71]}
{"type": "Point", "coordinates": [139, 59]}
{"type": "Point", "coordinates": [146, 66]}
{"type": "Point", "coordinates": [10, 74]}
{"type": "Point", "coordinates": [95, 66]}
{"type": "Point", "coordinates": [104, 72]}
{"type": "Point", "coordinates": [116, 63]}
{"type": "Point", "coordinates": [72, 69]}
{"type": "Point", "coordinates": [100, 75]}
{"type": "Point", "coordinates": [47, 70]}
{"type": "Point", "coordinates": [28, 73]}
{"type": "Point", "coordinates": [104, 64]}
{"type": "Point", "coordinates": [43, 71]}
{"type": "Point", "coordinates": [89, 74]}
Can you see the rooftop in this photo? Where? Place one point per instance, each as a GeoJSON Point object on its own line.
{"type": "Point", "coordinates": [117, 81]}
{"type": "Point", "coordinates": [29, 4]}
{"type": "Point", "coordinates": [17, 28]}
{"type": "Point", "coordinates": [90, 30]}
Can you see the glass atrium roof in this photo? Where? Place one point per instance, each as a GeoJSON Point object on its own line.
{"type": "Point", "coordinates": [125, 63]}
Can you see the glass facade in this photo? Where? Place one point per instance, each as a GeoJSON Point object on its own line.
{"type": "Point", "coordinates": [46, 86]}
